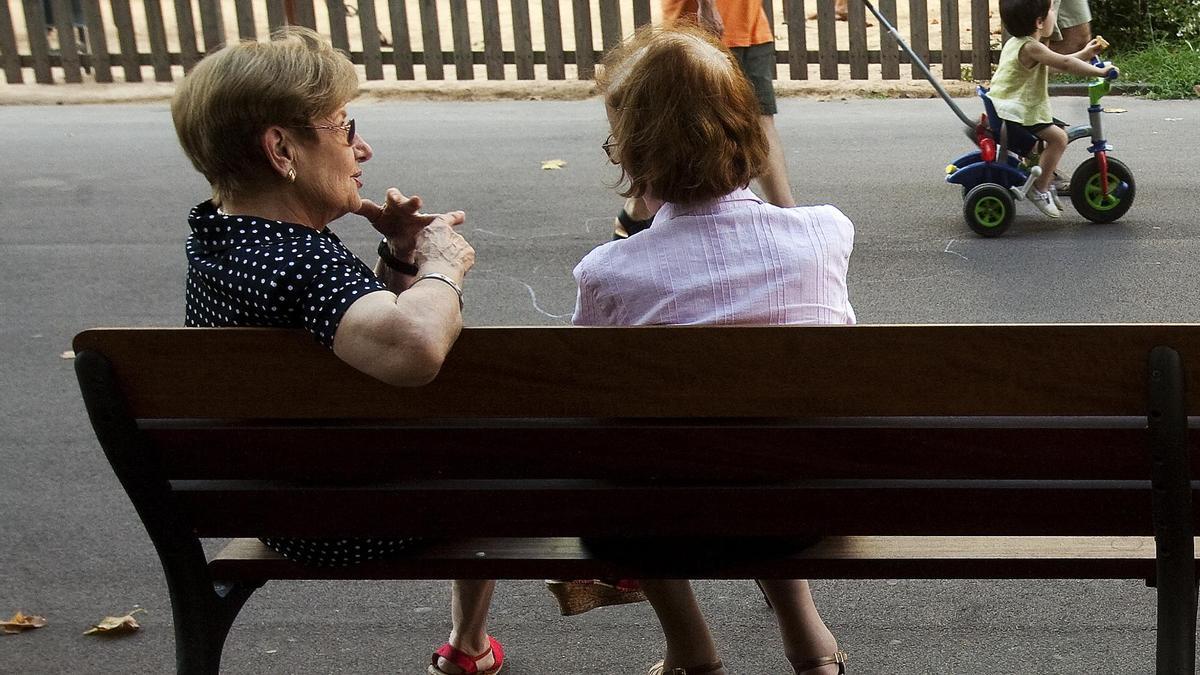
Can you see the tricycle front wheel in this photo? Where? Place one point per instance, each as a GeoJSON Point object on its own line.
{"type": "Point", "coordinates": [1091, 201]}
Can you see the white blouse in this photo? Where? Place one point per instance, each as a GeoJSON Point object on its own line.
{"type": "Point", "coordinates": [736, 260]}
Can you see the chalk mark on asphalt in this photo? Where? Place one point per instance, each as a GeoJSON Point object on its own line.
{"type": "Point", "coordinates": [532, 295]}
{"type": "Point", "coordinates": [947, 250]}
{"type": "Point", "coordinates": [544, 235]}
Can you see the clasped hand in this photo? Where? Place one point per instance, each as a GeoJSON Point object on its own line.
{"type": "Point", "coordinates": [426, 237]}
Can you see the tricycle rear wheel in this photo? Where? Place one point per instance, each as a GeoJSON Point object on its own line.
{"type": "Point", "coordinates": [989, 209]}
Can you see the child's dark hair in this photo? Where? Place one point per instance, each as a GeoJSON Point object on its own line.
{"type": "Point", "coordinates": [1020, 17]}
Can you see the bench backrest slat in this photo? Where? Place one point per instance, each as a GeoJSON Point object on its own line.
{"type": "Point", "coordinates": [756, 372]}
{"type": "Point", "coordinates": [601, 508]}
{"type": "Point", "coordinates": [750, 453]}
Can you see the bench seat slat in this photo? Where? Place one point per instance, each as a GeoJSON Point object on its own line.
{"type": "Point", "coordinates": [374, 451]}
{"type": "Point", "coordinates": [878, 557]}
{"type": "Point", "coordinates": [600, 508]}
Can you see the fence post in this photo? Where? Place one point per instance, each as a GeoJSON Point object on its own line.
{"type": "Point", "coordinates": [64, 26]}
{"type": "Point", "coordinates": [160, 55]}
{"type": "Point", "coordinates": [35, 30]}
{"type": "Point", "coordinates": [431, 40]}
{"type": "Point", "coordinates": [339, 36]}
{"type": "Point", "coordinates": [641, 13]}
{"type": "Point", "coordinates": [277, 14]}
{"type": "Point", "coordinates": [793, 14]}
{"type": "Point", "coordinates": [493, 48]}
{"type": "Point", "coordinates": [369, 26]}
{"type": "Point", "coordinates": [918, 33]}
{"type": "Point", "coordinates": [98, 43]}
{"type": "Point", "coordinates": [585, 58]}
{"type": "Point", "coordinates": [827, 39]}
{"type": "Point", "coordinates": [244, 11]}
{"type": "Point", "coordinates": [610, 23]}
{"type": "Point", "coordinates": [552, 25]}
{"type": "Point", "coordinates": [8, 47]}
{"type": "Point", "coordinates": [522, 40]}
{"type": "Point", "coordinates": [981, 41]}
{"type": "Point", "coordinates": [210, 25]}
{"type": "Point", "coordinates": [889, 51]}
{"type": "Point", "coordinates": [123, 18]}
{"type": "Point", "coordinates": [951, 52]}
{"type": "Point", "coordinates": [460, 25]}
{"type": "Point", "coordinates": [858, 40]}
{"type": "Point", "coordinates": [402, 55]}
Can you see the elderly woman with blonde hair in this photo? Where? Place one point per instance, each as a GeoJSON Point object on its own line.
{"type": "Point", "coordinates": [266, 123]}
{"type": "Point", "coordinates": [686, 136]}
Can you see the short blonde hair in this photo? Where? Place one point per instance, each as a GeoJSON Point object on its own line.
{"type": "Point", "coordinates": [234, 94]}
{"type": "Point", "coordinates": [685, 118]}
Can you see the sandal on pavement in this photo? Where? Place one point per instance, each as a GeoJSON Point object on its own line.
{"type": "Point", "coordinates": [626, 226]}
{"type": "Point", "coordinates": [839, 657]}
{"type": "Point", "coordinates": [468, 663]}
{"type": "Point", "coordinates": [661, 669]}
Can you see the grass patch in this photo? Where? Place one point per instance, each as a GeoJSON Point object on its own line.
{"type": "Point", "coordinates": [1170, 69]}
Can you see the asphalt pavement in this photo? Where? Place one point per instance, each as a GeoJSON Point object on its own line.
{"type": "Point", "coordinates": [92, 220]}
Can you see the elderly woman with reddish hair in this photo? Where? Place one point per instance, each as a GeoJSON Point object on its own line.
{"type": "Point", "coordinates": [266, 123]}
{"type": "Point", "coordinates": [687, 138]}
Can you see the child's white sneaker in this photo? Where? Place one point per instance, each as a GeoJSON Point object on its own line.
{"type": "Point", "coordinates": [1044, 202]}
{"type": "Point", "coordinates": [1054, 198]}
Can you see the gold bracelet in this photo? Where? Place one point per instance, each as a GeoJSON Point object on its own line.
{"type": "Point", "coordinates": [445, 280]}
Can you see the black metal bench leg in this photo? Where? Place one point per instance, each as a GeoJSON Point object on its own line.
{"type": "Point", "coordinates": [203, 610]}
{"type": "Point", "coordinates": [1175, 565]}
{"type": "Point", "coordinates": [202, 621]}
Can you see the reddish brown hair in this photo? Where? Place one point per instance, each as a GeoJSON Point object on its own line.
{"type": "Point", "coordinates": [685, 118]}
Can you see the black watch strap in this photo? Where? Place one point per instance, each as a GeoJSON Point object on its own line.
{"type": "Point", "coordinates": [385, 254]}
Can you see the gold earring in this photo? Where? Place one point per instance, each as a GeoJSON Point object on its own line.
{"type": "Point", "coordinates": [291, 175]}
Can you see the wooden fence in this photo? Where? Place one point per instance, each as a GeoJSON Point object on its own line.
{"type": "Point", "coordinates": [73, 40]}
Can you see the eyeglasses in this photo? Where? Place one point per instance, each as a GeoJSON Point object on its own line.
{"type": "Point", "coordinates": [609, 146]}
{"type": "Point", "coordinates": [348, 127]}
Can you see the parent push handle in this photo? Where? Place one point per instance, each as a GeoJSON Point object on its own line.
{"type": "Point", "coordinates": [922, 65]}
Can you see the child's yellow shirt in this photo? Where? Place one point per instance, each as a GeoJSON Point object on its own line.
{"type": "Point", "coordinates": [1021, 94]}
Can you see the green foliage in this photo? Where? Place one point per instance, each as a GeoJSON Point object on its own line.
{"type": "Point", "coordinates": [1131, 24]}
{"type": "Point", "coordinates": [1169, 69]}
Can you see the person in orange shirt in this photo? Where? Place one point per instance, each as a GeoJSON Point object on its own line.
{"type": "Point", "coordinates": [743, 27]}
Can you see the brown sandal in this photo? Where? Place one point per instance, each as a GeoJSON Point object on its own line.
{"type": "Point", "coordinates": [839, 657]}
{"type": "Point", "coordinates": [660, 669]}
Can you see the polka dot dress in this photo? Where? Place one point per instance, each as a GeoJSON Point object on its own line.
{"type": "Point", "coordinates": [247, 271]}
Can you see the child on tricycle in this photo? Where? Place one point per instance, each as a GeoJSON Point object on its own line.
{"type": "Point", "coordinates": [1020, 89]}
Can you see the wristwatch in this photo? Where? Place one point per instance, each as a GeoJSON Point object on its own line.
{"type": "Point", "coordinates": [385, 254]}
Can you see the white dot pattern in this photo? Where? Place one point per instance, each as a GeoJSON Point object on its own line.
{"type": "Point", "coordinates": [247, 271]}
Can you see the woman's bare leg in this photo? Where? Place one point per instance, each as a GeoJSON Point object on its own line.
{"type": "Point", "coordinates": [805, 635]}
{"type": "Point", "coordinates": [470, 601]}
{"type": "Point", "coordinates": [689, 643]}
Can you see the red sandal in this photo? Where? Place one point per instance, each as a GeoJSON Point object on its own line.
{"type": "Point", "coordinates": [465, 661]}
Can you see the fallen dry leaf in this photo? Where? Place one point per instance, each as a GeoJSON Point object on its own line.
{"type": "Point", "coordinates": [553, 164]}
{"type": "Point", "coordinates": [21, 622]}
{"type": "Point", "coordinates": [116, 625]}
{"type": "Point", "coordinates": [934, 22]}
{"type": "Point", "coordinates": [67, 355]}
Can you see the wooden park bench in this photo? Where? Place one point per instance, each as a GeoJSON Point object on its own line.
{"type": "Point", "coordinates": [943, 452]}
